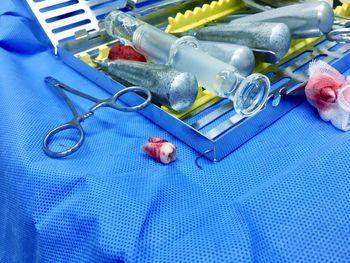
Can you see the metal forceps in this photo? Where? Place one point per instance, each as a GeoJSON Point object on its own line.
{"type": "Point", "coordinates": [75, 123]}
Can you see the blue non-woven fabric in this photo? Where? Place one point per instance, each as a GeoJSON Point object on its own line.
{"type": "Point", "coordinates": [282, 197]}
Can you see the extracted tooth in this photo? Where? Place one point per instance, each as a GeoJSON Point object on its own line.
{"type": "Point", "coordinates": [160, 150]}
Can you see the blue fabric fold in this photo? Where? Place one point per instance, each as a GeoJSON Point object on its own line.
{"type": "Point", "coordinates": [20, 32]}
{"type": "Point", "coordinates": [284, 196]}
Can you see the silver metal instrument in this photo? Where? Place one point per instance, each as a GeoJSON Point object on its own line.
{"type": "Point", "coordinates": [269, 37]}
{"type": "Point", "coordinates": [178, 90]}
{"type": "Point", "coordinates": [78, 118]}
{"type": "Point", "coordinates": [303, 20]}
{"type": "Point", "coordinates": [311, 19]}
{"type": "Point", "coordinates": [60, 18]}
{"type": "Point", "coordinates": [268, 4]}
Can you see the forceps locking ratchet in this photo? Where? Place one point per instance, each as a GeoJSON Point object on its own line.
{"type": "Point", "coordinates": [75, 123]}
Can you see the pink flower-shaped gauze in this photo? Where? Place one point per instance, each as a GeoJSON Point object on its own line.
{"type": "Point", "coordinates": [160, 150]}
{"type": "Point", "coordinates": [321, 91]}
{"type": "Point", "coordinates": [327, 91]}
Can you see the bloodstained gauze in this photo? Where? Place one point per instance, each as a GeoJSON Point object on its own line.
{"type": "Point", "coordinates": [329, 92]}
{"type": "Point", "coordinates": [160, 150]}
{"type": "Point", "coordinates": [118, 51]}
{"type": "Point", "coordinates": [321, 91]}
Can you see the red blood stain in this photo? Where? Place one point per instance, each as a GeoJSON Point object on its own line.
{"type": "Point", "coordinates": [153, 150]}
{"type": "Point", "coordinates": [160, 149]}
{"type": "Point", "coordinates": [321, 91]}
{"type": "Point", "coordinates": [118, 51]}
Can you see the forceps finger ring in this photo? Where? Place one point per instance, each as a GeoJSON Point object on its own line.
{"type": "Point", "coordinates": [112, 102]}
{"type": "Point", "coordinates": [67, 126]}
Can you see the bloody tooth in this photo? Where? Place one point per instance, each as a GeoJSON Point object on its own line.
{"type": "Point", "coordinates": [160, 150]}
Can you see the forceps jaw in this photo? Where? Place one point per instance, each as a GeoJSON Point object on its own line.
{"type": "Point", "coordinates": [49, 137]}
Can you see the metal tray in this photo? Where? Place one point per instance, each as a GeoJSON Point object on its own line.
{"type": "Point", "coordinates": [213, 129]}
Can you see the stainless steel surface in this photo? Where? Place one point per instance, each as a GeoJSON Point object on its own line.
{"type": "Point", "coordinates": [158, 5]}
{"type": "Point", "coordinates": [257, 5]}
{"type": "Point", "coordinates": [158, 16]}
{"type": "Point", "coordinates": [61, 19]}
{"type": "Point", "coordinates": [212, 116]}
{"type": "Point", "coordinates": [177, 90]}
{"type": "Point", "coordinates": [224, 126]}
{"type": "Point", "coordinates": [263, 5]}
{"type": "Point", "coordinates": [280, 3]}
{"type": "Point", "coordinates": [245, 129]}
{"type": "Point", "coordinates": [273, 37]}
{"type": "Point", "coordinates": [303, 20]}
{"type": "Point", "coordinates": [78, 118]}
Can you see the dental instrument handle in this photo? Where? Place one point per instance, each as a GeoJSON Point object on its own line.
{"type": "Point", "coordinates": [274, 37]}
{"type": "Point", "coordinates": [303, 20]}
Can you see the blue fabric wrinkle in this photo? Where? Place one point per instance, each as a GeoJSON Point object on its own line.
{"type": "Point", "coordinates": [281, 197]}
